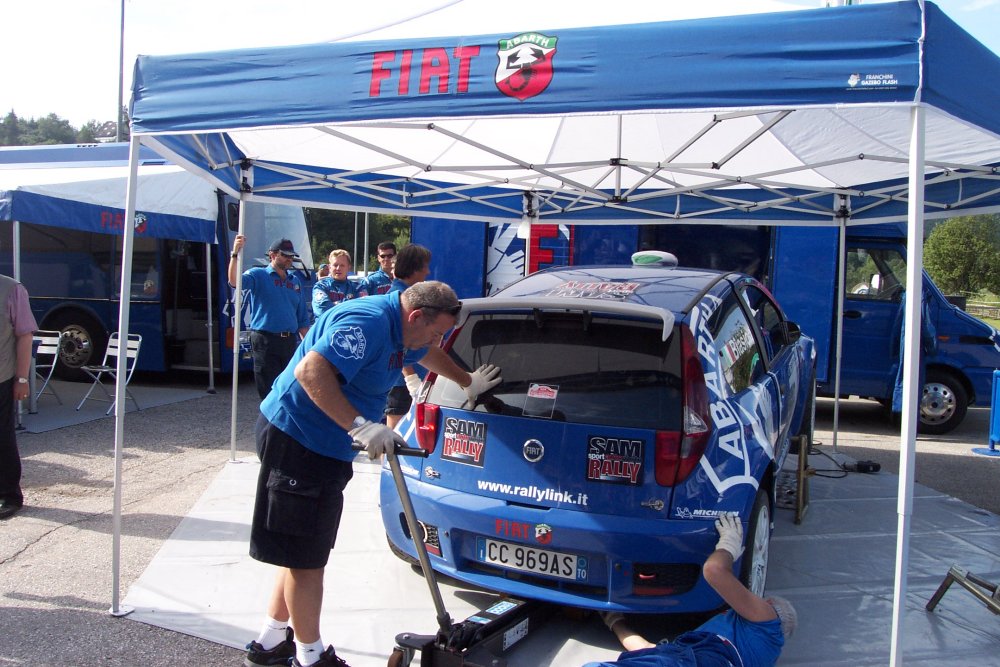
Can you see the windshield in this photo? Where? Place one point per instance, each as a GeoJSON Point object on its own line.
{"type": "Point", "coordinates": [569, 367]}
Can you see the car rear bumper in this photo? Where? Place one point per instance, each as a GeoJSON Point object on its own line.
{"type": "Point", "coordinates": [633, 564]}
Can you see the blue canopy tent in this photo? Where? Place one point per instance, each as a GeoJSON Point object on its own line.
{"type": "Point", "coordinates": [83, 187]}
{"type": "Point", "coordinates": [836, 116]}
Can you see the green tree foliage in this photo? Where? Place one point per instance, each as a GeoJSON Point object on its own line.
{"type": "Point", "coordinates": [330, 230]}
{"type": "Point", "coordinates": [51, 129]}
{"type": "Point", "coordinates": [963, 254]}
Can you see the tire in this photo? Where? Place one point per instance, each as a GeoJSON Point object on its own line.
{"type": "Point", "coordinates": [400, 554]}
{"type": "Point", "coordinates": [84, 344]}
{"type": "Point", "coordinates": [753, 569]}
{"type": "Point", "coordinates": [943, 403]}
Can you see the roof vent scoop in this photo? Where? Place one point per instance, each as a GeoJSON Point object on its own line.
{"type": "Point", "coordinates": [654, 258]}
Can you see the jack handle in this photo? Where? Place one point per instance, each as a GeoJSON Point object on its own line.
{"type": "Point", "coordinates": [415, 528]}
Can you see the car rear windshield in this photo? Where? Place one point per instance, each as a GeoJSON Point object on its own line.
{"type": "Point", "coordinates": [571, 367]}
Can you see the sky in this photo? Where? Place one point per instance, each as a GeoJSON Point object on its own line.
{"type": "Point", "coordinates": [62, 56]}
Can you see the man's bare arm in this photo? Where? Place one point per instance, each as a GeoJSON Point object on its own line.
{"type": "Point", "coordinates": [318, 378]}
{"type": "Point", "coordinates": [718, 571]}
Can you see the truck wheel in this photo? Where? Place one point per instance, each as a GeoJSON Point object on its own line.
{"type": "Point", "coordinates": [943, 403]}
{"type": "Point", "coordinates": [753, 569]}
{"type": "Point", "coordinates": [83, 343]}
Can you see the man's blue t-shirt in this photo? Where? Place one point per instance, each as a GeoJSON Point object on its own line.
{"type": "Point", "coordinates": [378, 282]}
{"type": "Point", "coordinates": [363, 339]}
{"type": "Point", "coordinates": [725, 640]}
{"type": "Point", "coordinates": [275, 304]}
{"type": "Point", "coordinates": [328, 292]}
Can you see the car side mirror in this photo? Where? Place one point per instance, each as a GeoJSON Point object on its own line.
{"type": "Point", "coordinates": [785, 333]}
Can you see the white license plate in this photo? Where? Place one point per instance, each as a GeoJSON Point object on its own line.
{"type": "Point", "coordinates": [529, 559]}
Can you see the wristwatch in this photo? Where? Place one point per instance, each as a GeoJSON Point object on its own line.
{"type": "Point", "coordinates": [22, 380]}
{"type": "Point", "coordinates": [234, 255]}
{"type": "Point", "coordinates": [358, 422]}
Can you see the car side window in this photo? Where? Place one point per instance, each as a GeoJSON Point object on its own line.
{"type": "Point", "coordinates": [739, 356]}
{"type": "Point", "coordinates": [767, 316]}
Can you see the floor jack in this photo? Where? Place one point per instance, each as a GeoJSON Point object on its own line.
{"type": "Point", "coordinates": [481, 640]}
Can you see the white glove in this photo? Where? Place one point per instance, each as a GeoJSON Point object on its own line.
{"type": "Point", "coordinates": [485, 377]}
{"type": "Point", "coordinates": [377, 438]}
{"type": "Point", "coordinates": [730, 535]}
{"type": "Point", "coordinates": [412, 384]}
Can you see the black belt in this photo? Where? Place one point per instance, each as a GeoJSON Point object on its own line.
{"type": "Point", "coordinates": [279, 334]}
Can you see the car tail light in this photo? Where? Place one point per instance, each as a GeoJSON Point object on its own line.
{"type": "Point", "coordinates": [427, 426]}
{"type": "Point", "coordinates": [678, 452]}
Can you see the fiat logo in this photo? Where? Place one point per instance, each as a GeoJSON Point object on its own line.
{"type": "Point", "coordinates": [533, 451]}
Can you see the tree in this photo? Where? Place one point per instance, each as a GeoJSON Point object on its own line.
{"type": "Point", "coordinates": [10, 130]}
{"type": "Point", "coordinates": [963, 254]}
{"type": "Point", "coordinates": [330, 230]}
{"type": "Point", "coordinates": [88, 133]}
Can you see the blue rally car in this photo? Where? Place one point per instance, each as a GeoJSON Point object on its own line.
{"type": "Point", "coordinates": [637, 404]}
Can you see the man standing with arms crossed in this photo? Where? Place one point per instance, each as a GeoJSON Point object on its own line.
{"type": "Point", "coordinates": [332, 393]}
{"type": "Point", "coordinates": [278, 308]}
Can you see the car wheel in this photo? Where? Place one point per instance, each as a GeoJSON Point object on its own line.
{"type": "Point", "coordinates": [753, 572]}
{"type": "Point", "coordinates": [84, 340]}
{"type": "Point", "coordinates": [943, 403]}
{"type": "Point", "coordinates": [400, 554]}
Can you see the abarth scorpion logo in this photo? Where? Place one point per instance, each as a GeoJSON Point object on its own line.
{"type": "Point", "coordinates": [525, 67]}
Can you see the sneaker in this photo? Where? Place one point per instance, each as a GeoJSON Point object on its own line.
{"type": "Point", "coordinates": [258, 656]}
{"type": "Point", "coordinates": [327, 658]}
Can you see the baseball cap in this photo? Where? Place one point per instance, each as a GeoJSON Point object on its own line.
{"type": "Point", "coordinates": [284, 246]}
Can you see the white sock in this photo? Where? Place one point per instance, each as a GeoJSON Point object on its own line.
{"type": "Point", "coordinates": [272, 634]}
{"type": "Point", "coordinates": [307, 654]}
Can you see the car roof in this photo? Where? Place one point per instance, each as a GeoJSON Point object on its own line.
{"type": "Point", "coordinates": [670, 288]}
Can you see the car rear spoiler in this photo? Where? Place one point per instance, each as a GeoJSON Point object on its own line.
{"type": "Point", "coordinates": [568, 304]}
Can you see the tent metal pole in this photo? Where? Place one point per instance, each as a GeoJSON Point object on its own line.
{"type": "Point", "coordinates": [366, 237]}
{"type": "Point", "coordinates": [354, 252]}
{"type": "Point", "coordinates": [16, 263]}
{"type": "Point", "coordinates": [841, 281]}
{"type": "Point", "coordinates": [209, 311]}
{"type": "Point", "coordinates": [247, 177]}
{"type": "Point", "coordinates": [911, 374]}
{"type": "Point", "coordinates": [128, 237]}
{"type": "Point", "coordinates": [16, 243]}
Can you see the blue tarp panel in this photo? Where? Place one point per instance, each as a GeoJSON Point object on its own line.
{"type": "Point", "coordinates": [743, 119]}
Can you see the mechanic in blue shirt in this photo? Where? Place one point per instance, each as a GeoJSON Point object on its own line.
{"type": "Point", "coordinates": [333, 393]}
{"type": "Point", "coordinates": [378, 281]}
{"type": "Point", "coordinates": [336, 288]}
{"type": "Point", "coordinates": [750, 634]}
{"type": "Point", "coordinates": [279, 315]}
{"type": "Point", "coordinates": [413, 265]}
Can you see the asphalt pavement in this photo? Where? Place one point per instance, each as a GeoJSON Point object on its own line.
{"type": "Point", "coordinates": [56, 554]}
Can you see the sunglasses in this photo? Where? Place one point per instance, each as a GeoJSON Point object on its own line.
{"type": "Point", "coordinates": [450, 310]}
{"type": "Point", "coordinates": [386, 256]}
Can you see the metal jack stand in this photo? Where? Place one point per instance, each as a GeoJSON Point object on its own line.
{"type": "Point", "coordinates": [792, 489]}
{"type": "Point", "coordinates": [969, 582]}
{"type": "Point", "coordinates": [480, 640]}
{"type": "Point", "coordinates": [802, 475]}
